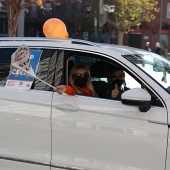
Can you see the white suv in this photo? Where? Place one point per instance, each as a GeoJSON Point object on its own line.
{"type": "Point", "coordinates": [43, 130]}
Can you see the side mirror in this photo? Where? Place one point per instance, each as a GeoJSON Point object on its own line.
{"type": "Point", "coordinates": [137, 97]}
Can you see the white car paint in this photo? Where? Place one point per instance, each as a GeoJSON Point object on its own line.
{"type": "Point", "coordinates": [15, 165]}
{"type": "Point", "coordinates": [25, 126]}
{"type": "Point", "coordinates": [107, 135]}
{"type": "Point", "coordinates": [141, 94]}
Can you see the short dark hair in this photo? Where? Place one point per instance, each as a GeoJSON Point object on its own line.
{"type": "Point", "coordinates": [114, 68]}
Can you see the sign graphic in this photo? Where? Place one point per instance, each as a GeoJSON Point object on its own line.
{"type": "Point", "coordinates": [28, 60]}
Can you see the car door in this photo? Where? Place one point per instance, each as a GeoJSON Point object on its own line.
{"type": "Point", "coordinates": [25, 129]}
{"type": "Point", "coordinates": [95, 133]}
{"type": "Point", "coordinates": [25, 122]}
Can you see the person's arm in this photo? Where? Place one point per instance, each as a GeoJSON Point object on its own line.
{"type": "Point", "coordinates": [65, 89]}
{"type": "Point", "coordinates": [70, 90]}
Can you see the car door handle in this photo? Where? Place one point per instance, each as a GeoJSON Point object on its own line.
{"type": "Point", "coordinates": [67, 106]}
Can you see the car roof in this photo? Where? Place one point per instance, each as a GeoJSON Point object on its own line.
{"type": "Point", "coordinates": [45, 42]}
{"type": "Point", "coordinates": [125, 50]}
{"type": "Point", "coordinates": [43, 39]}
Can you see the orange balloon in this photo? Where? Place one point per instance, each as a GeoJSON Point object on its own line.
{"type": "Point", "coordinates": [55, 28]}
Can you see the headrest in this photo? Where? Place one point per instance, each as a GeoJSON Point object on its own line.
{"type": "Point", "coordinates": [70, 66]}
{"type": "Point", "coordinates": [98, 69]}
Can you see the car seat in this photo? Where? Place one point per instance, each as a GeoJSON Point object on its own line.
{"type": "Point", "coordinates": [99, 70]}
{"type": "Point", "coordinates": [70, 66]}
{"type": "Point", "coordinates": [99, 73]}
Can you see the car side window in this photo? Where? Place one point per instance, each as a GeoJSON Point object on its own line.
{"type": "Point", "coordinates": [78, 59]}
{"type": "Point", "coordinates": [5, 61]}
{"type": "Point", "coordinates": [50, 67]}
{"type": "Point", "coordinates": [101, 77]}
{"type": "Point", "coordinates": [42, 70]}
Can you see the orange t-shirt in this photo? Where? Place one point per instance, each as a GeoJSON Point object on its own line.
{"type": "Point", "coordinates": [70, 91]}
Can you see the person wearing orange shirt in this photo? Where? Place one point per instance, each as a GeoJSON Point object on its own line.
{"type": "Point", "coordinates": [80, 83]}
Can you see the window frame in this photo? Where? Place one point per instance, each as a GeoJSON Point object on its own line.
{"type": "Point", "coordinates": [70, 53]}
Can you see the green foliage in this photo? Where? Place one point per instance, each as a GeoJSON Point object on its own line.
{"type": "Point", "coordinates": [130, 13]}
{"type": "Point", "coordinates": [164, 52]}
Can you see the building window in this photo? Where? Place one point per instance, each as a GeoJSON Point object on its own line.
{"type": "Point", "coordinates": [57, 9]}
{"type": "Point", "coordinates": [168, 11]}
{"type": "Point", "coordinates": [33, 11]}
{"type": "Point", "coordinates": [3, 24]}
{"type": "Point", "coordinates": [48, 9]}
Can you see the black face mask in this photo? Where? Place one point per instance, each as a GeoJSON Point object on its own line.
{"type": "Point", "coordinates": [118, 82]}
{"type": "Point", "coordinates": [81, 82]}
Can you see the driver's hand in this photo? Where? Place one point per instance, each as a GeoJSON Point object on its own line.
{"type": "Point", "coordinates": [115, 91]}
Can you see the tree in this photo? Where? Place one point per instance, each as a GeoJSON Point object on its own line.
{"type": "Point", "coordinates": [129, 13]}
{"type": "Point", "coordinates": [14, 7]}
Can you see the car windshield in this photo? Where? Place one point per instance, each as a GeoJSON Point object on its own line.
{"type": "Point", "coordinates": [156, 66]}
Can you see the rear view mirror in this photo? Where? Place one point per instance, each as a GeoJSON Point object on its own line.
{"type": "Point", "coordinates": [137, 97]}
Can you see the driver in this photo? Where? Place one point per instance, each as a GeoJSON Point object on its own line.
{"type": "Point", "coordinates": [116, 87]}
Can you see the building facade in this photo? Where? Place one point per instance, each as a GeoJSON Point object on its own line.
{"type": "Point", "coordinates": [3, 20]}
{"type": "Point", "coordinates": [155, 31]}
{"type": "Point", "coordinates": [81, 25]}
